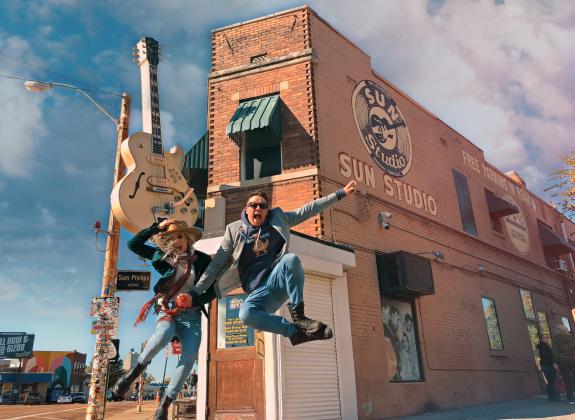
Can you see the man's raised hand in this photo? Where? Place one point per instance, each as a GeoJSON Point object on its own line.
{"type": "Point", "coordinates": [350, 188]}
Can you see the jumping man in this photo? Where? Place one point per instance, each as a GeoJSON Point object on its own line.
{"type": "Point", "coordinates": [254, 255]}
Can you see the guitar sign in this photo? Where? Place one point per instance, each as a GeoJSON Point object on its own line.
{"type": "Point", "coordinates": [154, 187]}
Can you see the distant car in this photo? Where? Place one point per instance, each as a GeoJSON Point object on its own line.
{"type": "Point", "coordinates": [112, 397]}
{"type": "Point", "coordinates": [6, 398]}
{"type": "Point", "coordinates": [79, 397]}
{"type": "Point", "coordinates": [31, 398]}
{"type": "Point", "coordinates": [65, 399]}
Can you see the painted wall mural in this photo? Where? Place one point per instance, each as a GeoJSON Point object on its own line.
{"type": "Point", "coordinates": [59, 363]}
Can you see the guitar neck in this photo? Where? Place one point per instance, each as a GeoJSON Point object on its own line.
{"type": "Point", "coordinates": [151, 105]}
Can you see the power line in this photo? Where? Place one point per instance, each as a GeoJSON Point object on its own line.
{"type": "Point", "coordinates": [53, 162]}
{"type": "Point", "coordinates": [93, 88]}
{"type": "Point", "coordinates": [95, 91]}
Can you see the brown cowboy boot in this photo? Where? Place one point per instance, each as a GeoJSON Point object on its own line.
{"type": "Point", "coordinates": [301, 321]}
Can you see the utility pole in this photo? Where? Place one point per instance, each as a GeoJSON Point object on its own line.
{"type": "Point", "coordinates": [97, 394]}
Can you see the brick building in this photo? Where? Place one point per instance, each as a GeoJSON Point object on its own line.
{"type": "Point", "coordinates": [443, 309]}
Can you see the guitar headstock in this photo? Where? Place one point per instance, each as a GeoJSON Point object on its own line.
{"type": "Point", "coordinates": [147, 49]}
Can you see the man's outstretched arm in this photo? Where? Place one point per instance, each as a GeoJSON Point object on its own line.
{"type": "Point", "coordinates": [312, 208]}
{"type": "Point", "coordinates": [218, 264]}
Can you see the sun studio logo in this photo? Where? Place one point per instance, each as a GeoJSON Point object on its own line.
{"type": "Point", "coordinates": [382, 128]}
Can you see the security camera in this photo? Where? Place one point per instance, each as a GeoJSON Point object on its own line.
{"type": "Point", "coordinates": [384, 219]}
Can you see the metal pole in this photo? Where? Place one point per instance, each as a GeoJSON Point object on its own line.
{"type": "Point", "coordinates": [139, 398]}
{"type": "Point", "coordinates": [106, 390]}
{"type": "Point", "coordinates": [164, 375]}
{"type": "Point", "coordinates": [97, 397]}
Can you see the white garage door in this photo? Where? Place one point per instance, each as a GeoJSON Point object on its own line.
{"type": "Point", "coordinates": [309, 371]}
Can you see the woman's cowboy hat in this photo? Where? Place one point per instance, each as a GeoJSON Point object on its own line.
{"type": "Point", "coordinates": [193, 233]}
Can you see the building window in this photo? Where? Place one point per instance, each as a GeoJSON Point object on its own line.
{"type": "Point", "coordinates": [400, 327]}
{"type": "Point", "coordinates": [532, 322]}
{"type": "Point", "coordinates": [565, 321]}
{"type": "Point", "coordinates": [464, 200]}
{"type": "Point", "coordinates": [527, 302]}
{"type": "Point", "coordinates": [261, 154]}
{"type": "Point", "coordinates": [492, 324]}
{"type": "Point", "coordinates": [544, 325]}
{"type": "Point", "coordinates": [498, 208]}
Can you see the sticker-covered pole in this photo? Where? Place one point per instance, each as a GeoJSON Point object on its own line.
{"type": "Point", "coordinates": [96, 399]}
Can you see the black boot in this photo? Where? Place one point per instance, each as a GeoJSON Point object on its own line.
{"type": "Point", "coordinates": [303, 336]}
{"type": "Point", "coordinates": [163, 408]}
{"type": "Point", "coordinates": [122, 384]}
{"type": "Point", "coordinates": [301, 321]}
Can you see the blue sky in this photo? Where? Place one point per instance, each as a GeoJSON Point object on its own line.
{"type": "Point", "coordinates": [498, 72]}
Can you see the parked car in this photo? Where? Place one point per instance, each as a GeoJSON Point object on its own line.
{"type": "Point", "coordinates": [112, 397]}
{"type": "Point", "coordinates": [79, 397]}
{"type": "Point", "coordinates": [65, 399]}
{"type": "Point", "coordinates": [6, 398]}
{"type": "Point", "coordinates": [31, 398]}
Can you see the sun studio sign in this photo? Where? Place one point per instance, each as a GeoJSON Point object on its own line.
{"type": "Point", "coordinates": [382, 128]}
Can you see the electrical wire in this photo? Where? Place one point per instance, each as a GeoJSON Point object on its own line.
{"type": "Point", "coordinates": [93, 88]}
{"type": "Point", "coordinates": [53, 162]}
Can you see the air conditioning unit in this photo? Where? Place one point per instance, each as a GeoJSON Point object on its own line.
{"type": "Point", "coordinates": [403, 274]}
{"type": "Point", "coordinates": [560, 265]}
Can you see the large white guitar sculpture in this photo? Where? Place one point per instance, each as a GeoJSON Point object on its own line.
{"type": "Point", "coordinates": [153, 188]}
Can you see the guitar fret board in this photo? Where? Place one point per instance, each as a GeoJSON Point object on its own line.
{"type": "Point", "coordinates": [155, 110]}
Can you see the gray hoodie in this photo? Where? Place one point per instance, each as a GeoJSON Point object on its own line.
{"type": "Point", "coordinates": [223, 270]}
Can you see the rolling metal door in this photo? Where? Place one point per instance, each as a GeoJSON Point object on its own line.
{"type": "Point", "coordinates": [310, 385]}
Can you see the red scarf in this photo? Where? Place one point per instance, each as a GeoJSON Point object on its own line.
{"type": "Point", "coordinates": [174, 285]}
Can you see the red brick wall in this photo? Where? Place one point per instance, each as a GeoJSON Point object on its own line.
{"type": "Point", "coordinates": [459, 367]}
{"type": "Point", "coordinates": [318, 124]}
{"type": "Point", "coordinates": [234, 79]}
{"type": "Point", "coordinates": [277, 36]}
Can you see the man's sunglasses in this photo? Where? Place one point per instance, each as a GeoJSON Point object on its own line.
{"type": "Point", "coordinates": [254, 206]}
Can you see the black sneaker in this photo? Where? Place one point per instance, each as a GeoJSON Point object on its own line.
{"type": "Point", "coordinates": [303, 336]}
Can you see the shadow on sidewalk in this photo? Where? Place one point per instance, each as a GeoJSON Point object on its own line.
{"type": "Point", "coordinates": [534, 408]}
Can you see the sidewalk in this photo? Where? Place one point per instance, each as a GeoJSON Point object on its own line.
{"type": "Point", "coordinates": [536, 408]}
{"type": "Point", "coordinates": [148, 410]}
{"type": "Point", "coordinates": [533, 408]}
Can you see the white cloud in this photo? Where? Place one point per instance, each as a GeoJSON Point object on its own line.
{"type": "Point", "coordinates": [47, 217]}
{"type": "Point", "coordinates": [500, 74]}
{"type": "Point", "coordinates": [71, 270]}
{"type": "Point", "coordinates": [9, 290]}
{"type": "Point", "coordinates": [21, 121]}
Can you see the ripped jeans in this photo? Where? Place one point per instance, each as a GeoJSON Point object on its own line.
{"type": "Point", "coordinates": [188, 328]}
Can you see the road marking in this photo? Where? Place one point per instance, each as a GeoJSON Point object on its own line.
{"type": "Point", "coordinates": [43, 414]}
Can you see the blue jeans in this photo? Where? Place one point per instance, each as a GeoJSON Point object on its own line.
{"type": "Point", "coordinates": [188, 328]}
{"type": "Point", "coordinates": [283, 283]}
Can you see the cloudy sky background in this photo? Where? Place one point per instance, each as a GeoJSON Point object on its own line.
{"type": "Point", "coordinates": [497, 72]}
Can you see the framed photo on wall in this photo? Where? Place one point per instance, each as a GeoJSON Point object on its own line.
{"type": "Point", "coordinates": [399, 325]}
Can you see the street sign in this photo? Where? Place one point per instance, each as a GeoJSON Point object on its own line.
{"type": "Point", "coordinates": [133, 280]}
{"type": "Point", "coordinates": [16, 345]}
{"type": "Point", "coordinates": [114, 350]}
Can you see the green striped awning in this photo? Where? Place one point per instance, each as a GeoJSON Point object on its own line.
{"type": "Point", "coordinates": [256, 114]}
{"type": "Point", "coordinates": [197, 156]}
